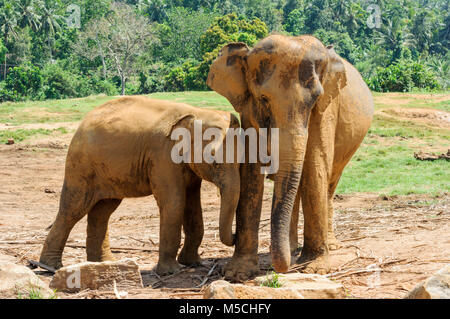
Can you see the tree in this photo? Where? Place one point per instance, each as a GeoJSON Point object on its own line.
{"type": "Point", "coordinates": [8, 20]}
{"type": "Point", "coordinates": [51, 22]}
{"type": "Point", "coordinates": [29, 13]}
{"type": "Point", "coordinates": [121, 36]}
{"type": "Point", "coordinates": [180, 34]}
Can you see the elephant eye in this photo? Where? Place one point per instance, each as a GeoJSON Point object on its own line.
{"type": "Point", "coordinates": [264, 100]}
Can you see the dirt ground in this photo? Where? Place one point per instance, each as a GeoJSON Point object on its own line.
{"type": "Point", "coordinates": [406, 238]}
{"type": "Point", "coordinates": [390, 244]}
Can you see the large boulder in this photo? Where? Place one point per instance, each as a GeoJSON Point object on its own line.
{"type": "Point", "coordinates": [290, 286]}
{"type": "Point", "coordinates": [7, 258]}
{"type": "Point", "coordinates": [311, 286]}
{"type": "Point", "coordinates": [98, 276]}
{"type": "Point", "coordinates": [17, 281]}
{"type": "Point", "coordinates": [435, 287]}
{"type": "Point", "coordinates": [221, 289]}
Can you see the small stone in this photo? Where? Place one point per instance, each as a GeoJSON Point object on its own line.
{"type": "Point", "coordinates": [17, 281]}
{"type": "Point", "coordinates": [435, 287]}
{"type": "Point", "coordinates": [10, 141]}
{"type": "Point", "coordinates": [98, 276]}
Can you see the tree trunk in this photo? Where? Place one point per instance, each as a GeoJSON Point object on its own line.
{"type": "Point", "coordinates": [123, 80]}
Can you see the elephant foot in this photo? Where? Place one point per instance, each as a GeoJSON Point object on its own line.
{"type": "Point", "coordinates": [189, 259]}
{"type": "Point", "coordinates": [103, 257]}
{"type": "Point", "coordinates": [241, 269]}
{"type": "Point", "coordinates": [52, 261]}
{"type": "Point", "coordinates": [295, 249]}
{"type": "Point", "coordinates": [167, 268]}
{"type": "Point", "coordinates": [315, 263]}
{"type": "Point", "coordinates": [333, 243]}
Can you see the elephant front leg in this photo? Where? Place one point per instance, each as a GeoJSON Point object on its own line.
{"type": "Point", "coordinates": [314, 198]}
{"type": "Point", "coordinates": [171, 204]}
{"type": "Point", "coordinates": [97, 242]}
{"type": "Point", "coordinates": [244, 263]}
{"type": "Point", "coordinates": [193, 227]}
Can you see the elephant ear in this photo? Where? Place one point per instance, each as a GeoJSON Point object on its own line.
{"type": "Point", "coordinates": [227, 74]}
{"type": "Point", "coordinates": [181, 121]}
{"type": "Point", "coordinates": [335, 78]}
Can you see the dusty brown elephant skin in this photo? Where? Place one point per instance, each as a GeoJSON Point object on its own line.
{"type": "Point", "coordinates": [323, 110]}
{"type": "Point", "coordinates": [123, 149]}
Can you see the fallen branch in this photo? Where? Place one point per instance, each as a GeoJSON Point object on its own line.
{"type": "Point", "coordinates": [41, 265]}
{"type": "Point", "coordinates": [207, 276]}
{"type": "Point", "coordinates": [161, 280]}
{"type": "Point", "coordinates": [421, 156]}
{"type": "Point", "coordinates": [349, 272]}
{"type": "Point", "coordinates": [78, 246]}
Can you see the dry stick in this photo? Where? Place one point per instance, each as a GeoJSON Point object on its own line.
{"type": "Point", "coordinates": [207, 276]}
{"type": "Point", "coordinates": [174, 290]}
{"type": "Point", "coordinates": [117, 248]}
{"type": "Point", "coordinates": [77, 246]}
{"type": "Point", "coordinates": [186, 294]}
{"type": "Point", "coordinates": [161, 280]}
{"type": "Point", "coordinates": [349, 273]}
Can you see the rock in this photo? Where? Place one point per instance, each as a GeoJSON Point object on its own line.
{"type": "Point", "coordinates": [98, 276]}
{"type": "Point", "coordinates": [10, 141]}
{"type": "Point", "coordinates": [224, 290]}
{"type": "Point", "coordinates": [293, 286]}
{"type": "Point", "coordinates": [7, 258]}
{"type": "Point", "coordinates": [17, 281]}
{"type": "Point", "coordinates": [435, 287]}
{"type": "Point", "coordinates": [311, 286]}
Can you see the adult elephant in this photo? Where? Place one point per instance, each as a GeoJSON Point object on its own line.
{"type": "Point", "coordinates": [323, 110]}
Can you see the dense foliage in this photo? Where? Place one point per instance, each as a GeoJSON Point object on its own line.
{"type": "Point", "coordinates": [51, 49]}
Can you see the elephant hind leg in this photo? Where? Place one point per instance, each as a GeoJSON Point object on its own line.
{"type": "Point", "coordinates": [97, 241]}
{"type": "Point", "coordinates": [333, 242]}
{"type": "Point", "coordinates": [192, 226]}
{"type": "Point", "coordinates": [75, 203]}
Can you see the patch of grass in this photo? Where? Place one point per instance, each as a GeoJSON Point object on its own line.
{"type": "Point", "coordinates": [20, 135]}
{"type": "Point", "coordinates": [72, 110]}
{"type": "Point", "coordinates": [36, 293]}
{"type": "Point", "coordinates": [391, 127]}
{"type": "Point", "coordinates": [272, 280]}
{"type": "Point", "coordinates": [390, 168]}
{"type": "Point", "coordinates": [49, 111]}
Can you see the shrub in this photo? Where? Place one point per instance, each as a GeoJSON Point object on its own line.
{"type": "Point", "coordinates": [403, 76]}
{"type": "Point", "coordinates": [59, 83]}
{"type": "Point", "coordinates": [22, 82]}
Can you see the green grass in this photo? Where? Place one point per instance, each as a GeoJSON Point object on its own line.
{"type": "Point", "coordinates": [72, 110]}
{"type": "Point", "coordinates": [20, 135]}
{"type": "Point", "coordinates": [383, 164]}
{"type": "Point", "coordinates": [272, 280]}
{"type": "Point", "coordinates": [36, 293]}
{"type": "Point", "coordinates": [415, 100]}
{"type": "Point", "coordinates": [49, 111]}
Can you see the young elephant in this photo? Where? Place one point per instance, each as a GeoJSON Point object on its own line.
{"type": "Point", "coordinates": [123, 149]}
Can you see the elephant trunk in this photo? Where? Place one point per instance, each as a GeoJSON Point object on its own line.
{"type": "Point", "coordinates": [229, 199]}
{"type": "Point", "coordinates": [286, 184]}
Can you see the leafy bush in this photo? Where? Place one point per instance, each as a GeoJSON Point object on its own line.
{"type": "Point", "coordinates": [22, 82]}
{"type": "Point", "coordinates": [403, 76]}
{"type": "Point", "coordinates": [59, 83]}
{"type": "Point", "coordinates": [153, 80]}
